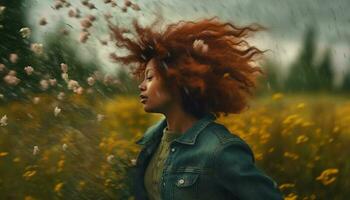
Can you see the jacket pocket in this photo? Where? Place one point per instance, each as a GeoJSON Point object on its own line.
{"type": "Point", "coordinates": [186, 179]}
{"type": "Point", "coordinates": [186, 186]}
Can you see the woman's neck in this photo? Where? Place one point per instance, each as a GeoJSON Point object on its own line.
{"type": "Point", "coordinates": [179, 121]}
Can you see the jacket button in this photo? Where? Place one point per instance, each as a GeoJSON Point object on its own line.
{"type": "Point", "coordinates": [181, 181]}
{"type": "Point", "coordinates": [173, 149]}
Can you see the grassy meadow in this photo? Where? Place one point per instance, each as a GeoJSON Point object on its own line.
{"type": "Point", "coordinates": [81, 148]}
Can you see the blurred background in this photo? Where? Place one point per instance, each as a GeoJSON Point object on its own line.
{"type": "Point", "coordinates": [69, 116]}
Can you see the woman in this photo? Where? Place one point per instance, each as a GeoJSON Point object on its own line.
{"type": "Point", "coordinates": [191, 73]}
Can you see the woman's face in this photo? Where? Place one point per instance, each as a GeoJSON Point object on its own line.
{"type": "Point", "coordinates": [153, 95]}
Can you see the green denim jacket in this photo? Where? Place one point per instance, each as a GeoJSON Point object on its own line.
{"type": "Point", "coordinates": [206, 163]}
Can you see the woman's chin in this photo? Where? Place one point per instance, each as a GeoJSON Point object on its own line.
{"type": "Point", "coordinates": [146, 108]}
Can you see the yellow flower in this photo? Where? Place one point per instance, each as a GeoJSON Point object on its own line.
{"type": "Point", "coordinates": [302, 138]}
{"type": "Point", "coordinates": [277, 96]}
{"type": "Point", "coordinates": [286, 185]}
{"type": "Point", "coordinates": [327, 176]}
{"type": "Point", "coordinates": [259, 156]}
{"type": "Point", "coordinates": [335, 129]}
{"type": "Point", "coordinates": [29, 198]}
{"type": "Point", "coordinates": [60, 165]}
{"type": "Point", "coordinates": [58, 187]}
{"type": "Point", "coordinates": [81, 185]}
{"type": "Point", "coordinates": [2, 154]}
{"type": "Point", "coordinates": [28, 174]}
{"type": "Point", "coordinates": [108, 182]}
{"type": "Point", "coordinates": [17, 159]}
{"type": "Point", "coordinates": [290, 119]}
{"type": "Point", "coordinates": [301, 105]}
{"type": "Point", "coordinates": [291, 155]}
{"type": "Point", "coordinates": [291, 196]}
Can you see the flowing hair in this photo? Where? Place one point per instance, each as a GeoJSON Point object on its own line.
{"type": "Point", "coordinates": [209, 61]}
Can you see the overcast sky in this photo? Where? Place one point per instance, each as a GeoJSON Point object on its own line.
{"type": "Point", "coordinates": [287, 20]}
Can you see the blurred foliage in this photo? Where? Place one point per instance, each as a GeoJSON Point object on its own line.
{"type": "Point", "coordinates": [17, 53]}
{"type": "Point", "coordinates": [301, 141]}
{"type": "Point", "coordinates": [12, 20]}
{"type": "Point", "coordinates": [306, 74]}
{"type": "Point", "coordinates": [85, 151]}
{"type": "Point", "coordinates": [303, 73]}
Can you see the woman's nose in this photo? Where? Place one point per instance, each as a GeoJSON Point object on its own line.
{"type": "Point", "coordinates": [141, 86]}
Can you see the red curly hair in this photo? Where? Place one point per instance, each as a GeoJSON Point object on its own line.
{"type": "Point", "coordinates": [209, 61]}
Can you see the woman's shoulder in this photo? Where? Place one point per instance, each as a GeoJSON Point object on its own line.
{"type": "Point", "coordinates": [223, 134]}
{"type": "Point", "coordinates": [220, 136]}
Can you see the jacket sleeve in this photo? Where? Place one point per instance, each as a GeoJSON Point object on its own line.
{"type": "Point", "coordinates": [235, 170]}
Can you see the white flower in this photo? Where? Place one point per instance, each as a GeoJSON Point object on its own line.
{"type": "Point", "coordinates": [67, 4]}
{"type": "Point", "coordinates": [57, 111]}
{"type": "Point", "coordinates": [64, 147]}
{"type": "Point", "coordinates": [110, 159]}
{"type": "Point", "coordinates": [135, 7]}
{"type": "Point", "coordinates": [127, 3]}
{"type": "Point", "coordinates": [100, 117]}
{"type": "Point", "coordinates": [36, 100]}
{"type": "Point", "coordinates": [11, 80]}
{"type": "Point", "coordinates": [64, 31]}
{"type": "Point", "coordinates": [98, 75]}
{"type": "Point", "coordinates": [1, 96]}
{"type": "Point", "coordinates": [91, 6]}
{"type": "Point", "coordinates": [65, 76]}
{"type": "Point", "coordinates": [53, 81]}
{"type": "Point", "coordinates": [89, 90]}
{"type": "Point", "coordinates": [78, 90]}
{"type": "Point", "coordinates": [64, 67]}
{"type": "Point", "coordinates": [60, 96]}
{"type": "Point", "coordinates": [116, 82]}
{"type": "Point", "coordinates": [58, 5]}
{"type": "Point", "coordinates": [85, 2]}
{"type": "Point", "coordinates": [103, 42]}
{"type": "Point", "coordinates": [73, 85]}
{"type": "Point", "coordinates": [90, 81]}
{"type": "Point", "coordinates": [91, 17]}
{"type": "Point", "coordinates": [37, 48]}
{"type": "Point", "coordinates": [113, 4]}
{"type": "Point", "coordinates": [29, 70]}
{"type": "Point", "coordinates": [25, 32]}
{"type": "Point", "coordinates": [83, 36]}
{"type": "Point", "coordinates": [85, 23]}
{"type": "Point", "coordinates": [72, 13]}
{"type": "Point", "coordinates": [3, 121]}
{"type": "Point", "coordinates": [107, 79]}
{"type": "Point", "coordinates": [13, 57]}
{"type": "Point", "coordinates": [12, 73]}
{"type": "Point", "coordinates": [107, 16]}
{"type": "Point", "coordinates": [35, 150]}
{"type": "Point", "coordinates": [43, 21]}
{"type": "Point", "coordinates": [2, 67]}
{"type": "Point", "coordinates": [200, 47]}
{"type": "Point", "coordinates": [44, 84]}
{"type": "Point", "coordinates": [2, 9]}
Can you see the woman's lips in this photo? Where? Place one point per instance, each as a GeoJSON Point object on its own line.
{"type": "Point", "coordinates": [143, 100]}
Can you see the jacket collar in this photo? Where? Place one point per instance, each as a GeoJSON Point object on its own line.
{"type": "Point", "coordinates": [155, 132]}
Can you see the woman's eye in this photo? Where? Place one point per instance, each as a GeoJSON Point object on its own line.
{"type": "Point", "coordinates": [148, 78]}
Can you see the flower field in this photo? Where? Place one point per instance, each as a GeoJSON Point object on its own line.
{"type": "Point", "coordinates": [81, 148]}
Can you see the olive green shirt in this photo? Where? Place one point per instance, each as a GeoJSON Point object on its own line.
{"type": "Point", "coordinates": [155, 167]}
